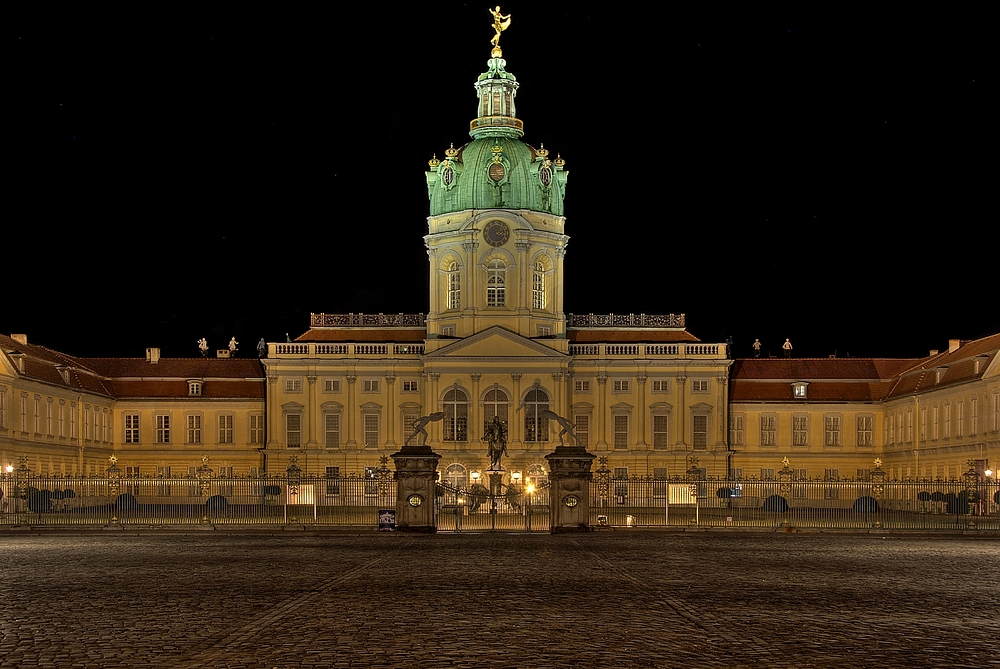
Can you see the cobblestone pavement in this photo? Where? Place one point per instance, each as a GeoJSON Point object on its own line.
{"type": "Point", "coordinates": [615, 599]}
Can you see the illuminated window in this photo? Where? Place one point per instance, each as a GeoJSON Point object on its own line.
{"type": "Point", "coordinates": [736, 430]}
{"type": "Point", "coordinates": [495, 403]}
{"type": "Point", "coordinates": [538, 287]}
{"type": "Point", "coordinates": [799, 389]}
{"type": "Point", "coordinates": [536, 427]}
{"type": "Point", "coordinates": [194, 387]}
{"type": "Point", "coordinates": [699, 432]}
{"type": "Point", "coordinates": [454, 287]}
{"type": "Point", "coordinates": [496, 278]}
{"type": "Point", "coordinates": [456, 415]}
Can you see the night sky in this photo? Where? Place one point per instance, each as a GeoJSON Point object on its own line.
{"type": "Point", "coordinates": [811, 174]}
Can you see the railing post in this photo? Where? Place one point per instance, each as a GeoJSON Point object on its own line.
{"type": "Point", "coordinates": [114, 487]}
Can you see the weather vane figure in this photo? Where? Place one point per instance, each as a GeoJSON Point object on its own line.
{"type": "Point", "coordinates": [500, 23]}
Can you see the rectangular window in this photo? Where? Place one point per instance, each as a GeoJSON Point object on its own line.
{"type": "Point", "coordinates": [864, 474]}
{"type": "Point", "coordinates": [293, 385]}
{"type": "Point", "coordinates": [38, 415]}
{"type": "Point", "coordinates": [582, 430]}
{"type": "Point", "coordinates": [408, 429]}
{"type": "Point", "coordinates": [934, 423]}
{"type": "Point", "coordinates": [832, 431]}
{"type": "Point", "coordinates": [699, 432]}
{"type": "Point", "coordinates": [194, 429]}
{"type": "Point", "coordinates": [582, 385]}
{"type": "Point", "coordinates": [132, 428]}
{"type": "Point", "coordinates": [909, 426]}
{"type": "Point", "coordinates": [699, 386]}
{"type": "Point", "coordinates": [960, 419]}
{"type": "Point", "coordinates": [226, 429]}
{"type": "Point", "coordinates": [621, 484]}
{"type": "Point", "coordinates": [865, 431]}
{"type": "Point", "coordinates": [371, 430]}
{"type": "Point", "coordinates": [48, 417]}
{"type": "Point", "coordinates": [767, 430]}
{"type": "Point", "coordinates": [800, 431]}
{"type": "Point", "coordinates": [947, 421]}
{"type": "Point", "coordinates": [621, 385]}
{"type": "Point", "coordinates": [661, 385]}
{"type": "Point", "coordinates": [370, 386]}
{"type": "Point", "coordinates": [86, 422]}
{"type": "Point", "coordinates": [410, 386]}
{"type": "Point", "coordinates": [293, 430]}
{"type": "Point", "coordinates": [661, 437]}
{"type": "Point", "coordinates": [800, 491]}
{"type": "Point", "coordinates": [332, 481]}
{"type": "Point", "coordinates": [256, 428]}
{"type": "Point", "coordinates": [162, 429]}
{"type": "Point", "coordinates": [621, 431]}
{"type": "Point", "coordinates": [448, 330]}
{"type": "Point", "coordinates": [3, 408]}
{"type": "Point", "coordinates": [331, 385]}
{"type": "Point", "coordinates": [24, 413]}
{"type": "Point", "coordinates": [659, 482]}
{"type": "Point", "coordinates": [923, 423]}
{"type": "Point", "coordinates": [72, 421]}
{"type": "Point", "coordinates": [333, 430]}
{"type": "Point", "coordinates": [62, 419]}
{"type": "Point", "coordinates": [996, 412]}
{"type": "Point", "coordinates": [974, 418]}
{"type": "Point", "coordinates": [735, 430]}
{"type": "Point", "coordinates": [767, 473]}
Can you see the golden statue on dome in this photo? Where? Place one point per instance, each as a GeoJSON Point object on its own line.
{"type": "Point", "coordinates": [500, 23]}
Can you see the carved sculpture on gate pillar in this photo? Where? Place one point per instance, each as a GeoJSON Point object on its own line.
{"type": "Point", "coordinates": [416, 481]}
{"type": "Point", "coordinates": [570, 476]}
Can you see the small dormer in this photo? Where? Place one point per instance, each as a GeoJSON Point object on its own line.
{"type": "Point", "coordinates": [939, 373]}
{"type": "Point", "coordinates": [979, 363]}
{"type": "Point", "coordinates": [800, 390]}
{"type": "Point", "coordinates": [195, 387]}
{"type": "Point", "coordinates": [63, 372]}
{"type": "Point", "coordinates": [18, 359]}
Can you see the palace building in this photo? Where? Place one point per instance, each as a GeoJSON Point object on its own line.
{"type": "Point", "coordinates": [640, 390]}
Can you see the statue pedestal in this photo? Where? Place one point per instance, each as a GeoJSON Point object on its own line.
{"type": "Point", "coordinates": [416, 480]}
{"type": "Point", "coordinates": [569, 472]}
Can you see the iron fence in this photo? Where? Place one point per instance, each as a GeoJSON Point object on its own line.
{"type": "Point", "coordinates": [268, 500]}
{"type": "Point", "coordinates": [910, 505]}
{"type": "Point", "coordinates": [510, 508]}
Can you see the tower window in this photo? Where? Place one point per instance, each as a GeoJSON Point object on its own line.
{"type": "Point", "coordinates": [496, 288]}
{"type": "Point", "coordinates": [454, 287]}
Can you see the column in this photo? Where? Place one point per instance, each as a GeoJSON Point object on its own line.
{"type": "Point", "coordinates": [273, 409]}
{"type": "Point", "coordinates": [681, 414]}
{"type": "Point", "coordinates": [602, 410]}
{"type": "Point", "coordinates": [390, 411]}
{"type": "Point", "coordinates": [475, 410]}
{"type": "Point", "coordinates": [558, 288]}
{"type": "Point", "coordinates": [516, 420]}
{"type": "Point", "coordinates": [640, 414]}
{"type": "Point", "coordinates": [351, 418]}
{"type": "Point", "coordinates": [433, 274]}
{"type": "Point", "coordinates": [434, 428]}
{"type": "Point", "coordinates": [312, 413]}
{"type": "Point", "coordinates": [524, 272]}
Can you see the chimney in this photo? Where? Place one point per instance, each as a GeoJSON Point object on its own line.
{"type": "Point", "coordinates": [934, 351]}
{"type": "Point", "coordinates": [152, 355]}
{"type": "Point", "coordinates": [20, 339]}
{"type": "Point", "coordinates": [953, 345]}
{"type": "Point", "coordinates": [222, 353]}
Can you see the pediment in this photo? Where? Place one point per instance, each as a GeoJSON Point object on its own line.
{"type": "Point", "coordinates": [495, 342]}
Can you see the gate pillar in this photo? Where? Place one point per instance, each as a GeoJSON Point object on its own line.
{"type": "Point", "coordinates": [569, 472]}
{"type": "Point", "coordinates": [416, 480]}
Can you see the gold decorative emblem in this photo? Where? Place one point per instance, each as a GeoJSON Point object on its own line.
{"type": "Point", "coordinates": [414, 500]}
{"type": "Point", "coordinates": [451, 151]}
{"type": "Point", "coordinates": [571, 500]}
{"type": "Point", "coordinates": [434, 162]}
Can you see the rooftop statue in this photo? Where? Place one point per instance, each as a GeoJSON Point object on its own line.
{"type": "Point", "coordinates": [500, 23]}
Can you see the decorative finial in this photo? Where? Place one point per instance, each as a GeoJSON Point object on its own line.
{"type": "Point", "coordinates": [500, 23]}
{"type": "Point", "coordinates": [559, 162]}
{"type": "Point", "coordinates": [451, 151]}
{"type": "Point", "coordinates": [878, 463]}
{"type": "Point", "coordinates": [204, 459]}
{"type": "Point", "coordinates": [784, 462]}
{"type": "Point", "coordinates": [542, 151]}
{"type": "Point", "coordinates": [434, 162]}
{"type": "Point", "coordinates": [113, 459]}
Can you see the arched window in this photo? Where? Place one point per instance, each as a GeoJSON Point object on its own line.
{"type": "Point", "coordinates": [538, 287]}
{"type": "Point", "coordinates": [456, 415]}
{"type": "Point", "coordinates": [454, 287]}
{"type": "Point", "coordinates": [456, 476]}
{"type": "Point", "coordinates": [496, 278]}
{"type": "Point", "coordinates": [536, 427]}
{"type": "Point", "coordinates": [495, 403]}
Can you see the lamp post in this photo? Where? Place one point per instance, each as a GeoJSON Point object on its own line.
{"type": "Point", "coordinates": [527, 510]}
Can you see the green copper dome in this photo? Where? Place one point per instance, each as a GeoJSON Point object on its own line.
{"type": "Point", "coordinates": [496, 170]}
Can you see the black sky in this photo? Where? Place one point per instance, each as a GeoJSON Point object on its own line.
{"type": "Point", "coordinates": [790, 173]}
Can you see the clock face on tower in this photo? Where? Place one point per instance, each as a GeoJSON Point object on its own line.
{"type": "Point", "coordinates": [496, 233]}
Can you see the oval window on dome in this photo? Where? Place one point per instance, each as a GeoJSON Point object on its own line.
{"type": "Point", "coordinates": [545, 176]}
{"type": "Point", "coordinates": [496, 171]}
{"type": "Point", "coordinates": [448, 176]}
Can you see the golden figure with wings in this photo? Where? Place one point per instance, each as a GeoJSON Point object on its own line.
{"type": "Point", "coordinates": [500, 23]}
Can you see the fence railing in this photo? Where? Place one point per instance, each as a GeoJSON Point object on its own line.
{"type": "Point", "coordinates": [912, 505]}
{"type": "Point", "coordinates": [44, 500]}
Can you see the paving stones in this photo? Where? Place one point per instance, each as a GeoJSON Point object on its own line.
{"type": "Point", "coordinates": [630, 600]}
